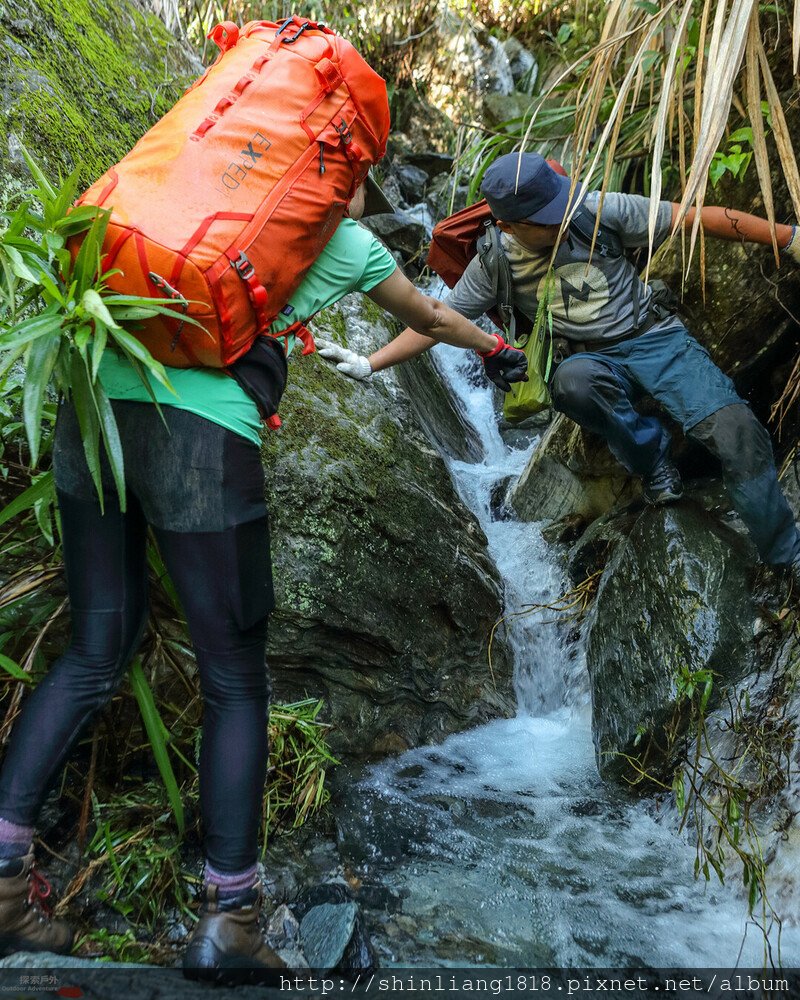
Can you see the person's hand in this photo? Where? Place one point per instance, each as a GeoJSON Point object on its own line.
{"type": "Point", "coordinates": [792, 248]}
{"type": "Point", "coordinates": [347, 362]}
{"type": "Point", "coordinates": [505, 364]}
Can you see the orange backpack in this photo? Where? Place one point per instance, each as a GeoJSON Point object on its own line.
{"type": "Point", "coordinates": [231, 196]}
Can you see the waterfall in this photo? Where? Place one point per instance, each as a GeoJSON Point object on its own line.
{"type": "Point", "coordinates": [505, 845]}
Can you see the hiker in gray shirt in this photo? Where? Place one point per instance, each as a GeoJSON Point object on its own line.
{"type": "Point", "coordinates": [622, 344]}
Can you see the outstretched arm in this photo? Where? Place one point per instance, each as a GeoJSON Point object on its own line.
{"type": "Point", "coordinates": [427, 316]}
{"type": "Point", "coordinates": [405, 345]}
{"type": "Point", "coordinates": [731, 224]}
{"type": "Point", "coordinates": [428, 321]}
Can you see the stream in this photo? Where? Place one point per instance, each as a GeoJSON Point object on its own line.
{"type": "Point", "coordinates": [502, 843]}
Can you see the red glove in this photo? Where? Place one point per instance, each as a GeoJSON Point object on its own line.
{"type": "Point", "coordinates": [504, 364]}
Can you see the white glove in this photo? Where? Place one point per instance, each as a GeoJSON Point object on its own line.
{"type": "Point", "coordinates": [792, 248]}
{"type": "Point", "coordinates": [347, 362]}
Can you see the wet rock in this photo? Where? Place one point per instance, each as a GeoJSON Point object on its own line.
{"type": "Point", "coordinates": [385, 591]}
{"type": "Point", "coordinates": [566, 530]}
{"type": "Point", "coordinates": [399, 231]}
{"type": "Point", "coordinates": [522, 64]}
{"type": "Point", "coordinates": [437, 409]}
{"type": "Point", "coordinates": [501, 108]}
{"type": "Point", "coordinates": [413, 182]}
{"type": "Point", "coordinates": [433, 163]}
{"type": "Point", "coordinates": [571, 472]}
{"type": "Point", "coordinates": [283, 928]}
{"type": "Point", "coordinates": [675, 594]}
{"type": "Point", "coordinates": [441, 200]}
{"type": "Point", "coordinates": [522, 433]}
{"type": "Point", "coordinates": [598, 543]}
{"type": "Point", "coordinates": [325, 932]}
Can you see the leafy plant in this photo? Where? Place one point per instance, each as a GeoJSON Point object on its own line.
{"type": "Point", "coordinates": [58, 317]}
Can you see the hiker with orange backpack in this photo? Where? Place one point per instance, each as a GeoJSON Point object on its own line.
{"type": "Point", "coordinates": [193, 471]}
{"type": "Point", "coordinates": [622, 342]}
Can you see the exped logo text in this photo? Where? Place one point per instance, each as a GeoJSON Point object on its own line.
{"type": "Point", "coordinates": [238, 170]}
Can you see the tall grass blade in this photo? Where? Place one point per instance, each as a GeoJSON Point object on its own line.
{"type": "Point", "coordinates": [155, 728]}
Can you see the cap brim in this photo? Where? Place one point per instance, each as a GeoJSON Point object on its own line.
{"type": "Point", "coordinates": [375, 201]}
{"type": "Point", "coordinates": [553, 213]}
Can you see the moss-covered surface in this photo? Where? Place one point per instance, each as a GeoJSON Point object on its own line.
{"type": "Point", "coordinates": [385, 594]}
{"type": "Point", "coordinates": [81, 81]}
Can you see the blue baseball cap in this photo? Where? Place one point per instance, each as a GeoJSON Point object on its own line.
{"type": "Point", "coordinates": [523, 187]}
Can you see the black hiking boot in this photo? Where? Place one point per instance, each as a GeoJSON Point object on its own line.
{"type": "Point", "coordinates": [226, 946]}
{"type": "Point", "coordinates": [25, 920]}
{"type": "Point", "coordinates": [663, 485]}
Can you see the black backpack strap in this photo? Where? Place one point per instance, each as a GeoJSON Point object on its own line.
{"type": "Point", "coordinates": [493, 260]}
{"type": "Point", "coordinates": [608, 244]}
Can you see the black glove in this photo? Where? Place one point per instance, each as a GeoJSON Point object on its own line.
{"type": "Point", "coordinates": [505, 364]}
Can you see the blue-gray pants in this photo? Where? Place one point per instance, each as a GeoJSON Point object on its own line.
{"type": "Point", "coordinates": [597, 390]}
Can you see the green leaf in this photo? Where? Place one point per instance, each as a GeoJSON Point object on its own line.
{"type": "Point", "coordinates": [14, 669]}
{"type": "Point", "coordinates": [98, 347]}
{"type": "Point", "coordinates": [30, 329]}
{"type": "Point", "coordinates": [108, 427]}
{"type": "Point", "coordinates": [742, 135]}
{"type": "Point", "coordinates": [86, 411]}
{"type": "Point", "coordinates": [28, 498]}
{"type": "Point", "coordinates": [136, 348]}
{"type": "Point", "coordinates": [39, 366]}
{"type": "Point", "coordinates": [94, 306]}
{"type": "Point", "coordinates": [156, 729]}
{"type": "Point", "coordinates": [19, 266]}
{"type": "Point", "coordinates": [45, 189]}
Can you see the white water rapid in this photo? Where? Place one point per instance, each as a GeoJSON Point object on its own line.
{"type": "Point", "coordinates": [504, 844]}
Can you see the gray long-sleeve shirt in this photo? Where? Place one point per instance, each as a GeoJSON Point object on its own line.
{"type": "Point", "coordinates": [593, 301]}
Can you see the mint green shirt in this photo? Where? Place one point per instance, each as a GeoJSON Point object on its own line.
{"type": "Point", "coordinates": [353, 261]}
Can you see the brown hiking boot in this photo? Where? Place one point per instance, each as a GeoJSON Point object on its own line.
{"type": "Point", "coordinates": [227, 945]}
{"type": "Point", "coordinates": [25, 920]}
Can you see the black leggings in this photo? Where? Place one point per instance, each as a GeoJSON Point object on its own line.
{"type": "Point", "coordinates": [223, 579]}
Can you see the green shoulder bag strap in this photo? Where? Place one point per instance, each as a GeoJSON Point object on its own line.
{"type": "Point", "coordinates": [525, 398]}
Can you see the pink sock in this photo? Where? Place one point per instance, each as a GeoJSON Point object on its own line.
{"type": "Point", "coordinates": [15, 840]}
{"type": "Point", "coordinates": [231, 884]}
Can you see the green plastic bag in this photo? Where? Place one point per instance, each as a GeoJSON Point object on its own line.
{"type": "Point", "coordinates": [527, 398]}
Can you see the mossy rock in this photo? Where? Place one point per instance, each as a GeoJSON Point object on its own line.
{"type": "Point", "coordinates": [81, 82]}
{"type": "Point", "coordinates": [386, 595]}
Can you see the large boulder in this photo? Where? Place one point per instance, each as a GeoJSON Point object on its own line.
{"type": "Point", "coordinates": [570, 473]}
{"type": "Point", "coordinates": [386, 595]}
{"type": "Point", "coordinates": [675, 594]}
{"type": "Point", "coordinates": [81, 82]}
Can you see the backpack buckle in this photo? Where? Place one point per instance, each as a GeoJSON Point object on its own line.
{"type": "Point", "coordinates": [243, 267]}
{"type": "Point", "coordinates": [344, 132]}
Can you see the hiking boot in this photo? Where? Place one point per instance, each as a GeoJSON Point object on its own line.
{"type": "Point", "coordinates": [227, 945]}
{"type": "Point", "coordinates": [663, 485]}
{"type": "Point", "coordinates": [25, 920]}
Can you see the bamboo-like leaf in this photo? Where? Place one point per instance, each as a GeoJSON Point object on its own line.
{"type": "Point", "coordinates": [781, 131]}
{"type": "Point", "coordinates": [155, 729]}
{"type": "Point", "coordinates": [111, 439]}
{"type": "Point", "coordinates": [796, 37]}
{"type": "Point", "coordinates": [93, 303]}
{"type": "Point", "coordinates": [46, 189]}
{"type": "Point", "coordinates": [14, 669]}
{"type": "Point", "coordinates": [86, 411]}
{"type": "Point", "coordinates": [136, 348]}
{"type": "Point", "coordinates": [43, 487]}
{"type": "Point", "coordinates": [659, 131]}
{"type": "Point", "coordinates": [98, 347]}
{"type": "Point", "coordinates": [760, 155]}
{"type": "Point", "coordinates": [40, 361]}
{"type": "Point", "coordinates": [30, 329]}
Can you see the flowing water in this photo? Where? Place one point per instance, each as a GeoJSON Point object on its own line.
{"type": "Point", "coordinates": [503, 844]}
